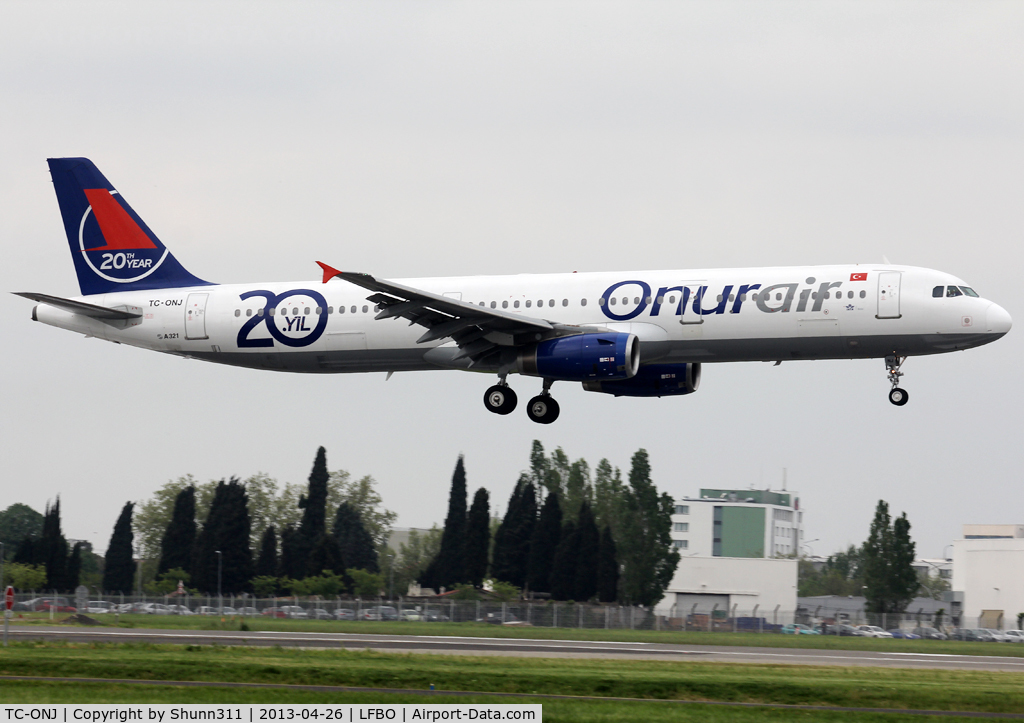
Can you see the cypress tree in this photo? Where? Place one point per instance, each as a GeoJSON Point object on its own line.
{"type": "Point", "coordinates": [512, 540]}
{"type": "Point", "coordinates": [543, 544]}
{"type": "Point", "coordinates": [291, 564]}
{"type": "Point", "coordinates": [578, 489]}
{"type": "Point", "coordinates": [607, 569]}
{"type": "Point", "coordinates": [478, 538]}
{"type": "Point", "coordinates": [119, 564]}
{"type": "Point", "coordinates": [176, 547]}
{"type": "Point", "coordinates": [26, 553]}
{"type": "Point", "coordinates": [314, 502]}
{"type": "Point", "coordinates": [588, 550]}
{"type": "Point", "coordinates": [563, 567]}
{"type": "Point", "coordinates": [904, 582]}
{"type": "Point", "coordinates": [266, 564]}
{"type": "Point", "coordinates": [451, 563]}
{"type": "Point", "coordinates": [74, 566]}
{"type": "Point", "coordinates": [226, 530]}
{"type": "Point", "coordinates": [645, 542]}
{"type": "Point", "coordinates": [326, 555]}
{"type": "Point", "coordinates": [355, 543]}
{"type": "Point", "coordinates": [52, 549]}
{"type": "Point", "coordinates": [887, 559]}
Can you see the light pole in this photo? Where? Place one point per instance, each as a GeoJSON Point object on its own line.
{"type": "Point", "coordinates": [391, 586]}
{"type": "Point", "coordinates": [220, 597]}
{"type": "Point", "coordinates": [808, 545]}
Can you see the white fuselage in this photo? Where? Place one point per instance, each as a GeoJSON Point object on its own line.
{"type": "Point", "coordinates": [821, 312]}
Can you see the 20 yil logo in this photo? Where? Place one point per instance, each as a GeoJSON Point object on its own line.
{"type": "Point", "coordinates": [112, 243]}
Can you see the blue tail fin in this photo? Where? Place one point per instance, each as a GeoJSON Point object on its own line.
{"type": "Point", "coordinates": [113, 248]}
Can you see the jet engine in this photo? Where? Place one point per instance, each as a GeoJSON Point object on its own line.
{"type": "Point", "coordinates": [582, 357]}
{"type": "Point", "coordinates": [652, 380]}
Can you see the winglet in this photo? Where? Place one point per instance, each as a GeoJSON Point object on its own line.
{"type": "Point", "coordinates": [329, 271]}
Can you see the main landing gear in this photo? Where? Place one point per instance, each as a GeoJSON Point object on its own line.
{"type": "Point", "coordinates": [897, 396]}
{"type": "Point", "coordinates": [542, 409]}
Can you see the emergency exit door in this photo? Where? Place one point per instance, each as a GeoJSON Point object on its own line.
{"type": "Point", "coordinates": [195, 316]}
{"type": "Point", "coordinates": [889, 295]}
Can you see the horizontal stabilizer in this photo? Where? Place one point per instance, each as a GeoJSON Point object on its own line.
{"type": "Point", "coordinates": [82, 308]}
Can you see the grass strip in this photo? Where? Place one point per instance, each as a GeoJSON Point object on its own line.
{"type": "Point", "coordinates": [555, 711]}
{"type": "Point", "coordinates": [483, 630]}
{"type": "Point", "coordinates": [800, 685]}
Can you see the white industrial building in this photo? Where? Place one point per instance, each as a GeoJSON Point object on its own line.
{"type": "Point", "coordinates": [988, 575]}
{"type": "Point", "coordinates": [738, 551]}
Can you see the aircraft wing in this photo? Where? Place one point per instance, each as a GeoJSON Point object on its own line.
{"type": "Point", "coordinates": [477, 330]}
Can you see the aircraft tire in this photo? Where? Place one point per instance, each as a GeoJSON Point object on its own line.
{"type": "Point", "coordinates": [898, 396]}
{"type": "Point", "coordinates": [500, 399]}
{"type": "Point", "coordinates": [543, 409]}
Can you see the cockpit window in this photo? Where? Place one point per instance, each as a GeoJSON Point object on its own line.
{"type": "Point", "coordinates": [969, 291]}
{"type": "Point", "coordinates": [938, 291]}
{"type": "Point", "coordinates": [953, 291]}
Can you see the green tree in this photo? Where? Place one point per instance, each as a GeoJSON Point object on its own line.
{"type": "Point", "coordinates": [152, 516]}
{"type": "Point", "coordinates": [362, 495]}
{"type": "Point", "coordinates": [355, 543]}
{"type": "Point", "coordinates": [840, 575]}
{"type": "Point", "coordinates": [176, 547]}
{"type": "Point", "coordinates": [24, 577]}
{"type": "Point", "coordinates": [478, 538]}
{"type": "Point", "coordinates": [578, 489]}
{"type": "Point", "coordinates": [609, 496]}
{"type": "Point", "coordinates": [451, 560]}
{"type": "Point", "coordinates": [563, 566]}
{"type": "Point", "coordinates": [325, 556]}
{"type": "Point", "coordinates": [512, 539]}
{"type": "Point", "coordinates": [645, 541]}
{"type": "Point", "coordinates": [505, 592]}
{"type": "Point", "coordinates": [226, 531]}
{"type": "Point", "coordinates": [266, 563]}
{"type": "Point", "coordinates": [17, 522]}
{"type": "Point", "coordinates": [51, 550]}
{"type": "Point", "coordinates": [290, 564]}
{"type": "Point", "coordinates": [587, 556]}
{"type": "Point", "coordinates": [314, 503]}
{"type": "Point", "coordinates": [413, 557]}
{"type": "Point", "coordinates": [365, 583]}
{"type": "Point", "coordinates": [607, 568]}
{"type": "Point", "coordinates": [118, 563]}
{"type": "Point", "coordinates": [265, 585]}
{"type": "Point", "coordinates": [74, 567]}
{"type": "Point", "coordinates": [543, 544]}
{"type": "Point", "coordinates": [887, 558]}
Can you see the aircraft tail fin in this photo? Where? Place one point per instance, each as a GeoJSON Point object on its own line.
{"type": "Point", "coordinates": [113, 249]}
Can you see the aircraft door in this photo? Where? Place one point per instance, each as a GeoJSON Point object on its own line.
{"type": "Point", "coordinates": [693, 302]}
{"type": "Point", "coordinates": [195, 316]}
{"type": "Point", "coordinates": [889, 295]}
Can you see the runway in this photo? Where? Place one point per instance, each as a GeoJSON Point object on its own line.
{"type": "Point", "coordinates": [448, 645]}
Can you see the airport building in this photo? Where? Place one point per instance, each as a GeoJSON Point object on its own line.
{"type": "Point", "coordinates": [988, 575]}
{"type": "Point", "coordinates": [738, 552]}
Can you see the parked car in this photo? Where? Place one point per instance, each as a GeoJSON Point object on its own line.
{"type": "Point", "coordinates": [435, 617]}
{"type": "Point", "coordinates": [294, 611]}
{"type": "Point", "coordinates": [44, 604]}
{"type": "Point", "coordinates": [799, 629]}
{"type": "Point", "coordinates": [98, 607]}
{"type": "Point", "coordinates": [411, 615]}
{"type": "Point", "coordinates": [897, 633]}
{"type": "Point", "coordinates": [344, 614]}
{"type": "Point", "coordinates": [927, 633]}
{"type": "Point", "coordinates": [498, 618]}
{"type": "Point", "coordinates": [274, 612]}
{"type": "Point", "coordinates": [873, 631]}
{"type": "Point", "coordinates": [248, 611]}
{"type": "Point", "coordinates": [1015, 636]}
{"type": "Point", "coordinates": [179, 610]}
{"type": "Point", "coordinates": [840, 629]}
{"type": "Point", "coordinates": [380, 612]}
{"type": "Point", "coordinates": [977, 635]}
{"type": "Point", "coordinates": [998, 635]}
{"type": "Point", "coordinates": [320, 614]}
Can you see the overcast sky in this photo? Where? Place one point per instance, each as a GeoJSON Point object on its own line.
{"type": "Point", "coordinates": [430, 138]}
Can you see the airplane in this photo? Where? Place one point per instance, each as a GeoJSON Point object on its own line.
{"type": "Point", "coordinates": [633, 334]}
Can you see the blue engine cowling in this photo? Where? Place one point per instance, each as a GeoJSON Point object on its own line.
{"type": "Point", "coordinates": [652, 380]}
{"type": "Point", "coordinates": [583, 357]}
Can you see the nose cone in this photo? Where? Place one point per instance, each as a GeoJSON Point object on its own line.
{"type": "Point", "coordinates": [997, 320]}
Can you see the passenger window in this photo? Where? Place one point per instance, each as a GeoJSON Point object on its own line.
{"type": "Point", "coordinates": [849, 294]}
{"type": "Point", "coordinates": [583, 302]}
{"type": "Point", "coordinates": [238, 312]}
{"type": "Point", "coordinates": [648, 299]}
{"type": "Point", "coordinates": [341, 309]}
{"type": "Point", "coordinates": [259, 312]}
{"type": "Point", "coordinates": [612, 301]}
{"type": "Point", "coordinates": [305, 312]}
{"type": "Point", "coordinates": [719, 298]}
{"type": "Point", "coordinates": [330, 310]}
{"type": "Point", "coordinates": [625, 300]}
{"type": "Point", "coordinates": [529, 303]}
{"type": "Point", "coordinates": [743, 297]}
{"type": "Point", "coordinates": [494, 305]}
{"type": "Point", "coordinates": [952, 291]}
{"type": "Point", "coordinates": [551, 302]}
{"type": "Point", "coordinates": [319, 310]}
{"type": "Point", "coordinates": [353, 309]}
{"type": "Point", "coordinates": [248, 312]}
{"type": "Point", "coordinates": [661, 299]}
{"type": "Point", "coordinates": [295, 311]}
{"type": "Point", "coordinates": [863, 294]}
{"type": "Point", "coordinates": [778, 297]}
{"type": "Point", "coordinates": [365, 309]}
{"type": "Point", "coordinates": [732, 297]}
{"type": "Point", "coordinates": [284, 312]}
{"type": "Point", "coordinates": [600, 302]}
{"type": "Point", "coordinates": [937, 292]}
{"type": "Point", "coordinates": [515, 304]}
{"type": "Point", "coordinates": [504, 305]}
{"type": "Point", "coordinates": [636, 300]}
{"type": "Point", "coordinates": [271, 311]}
{"type": "Point", "coordinates": [671, 299]}
{"type": "Point", "coordinates": [565, 302]}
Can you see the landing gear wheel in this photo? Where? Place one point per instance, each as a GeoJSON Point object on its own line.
{"type": "Point", "coordinates": [543, 409]}
{"type": "Point", "coordinates": [898, 396]}
{"type": "Point", "coordinates": [500, 399]}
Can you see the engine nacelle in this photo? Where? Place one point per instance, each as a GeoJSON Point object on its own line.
{"type": "Point", "coordinates": [652, 380]}
{"type": "Point", "coordinates": [583, 357]}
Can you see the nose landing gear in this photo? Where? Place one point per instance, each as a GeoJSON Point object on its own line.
{"type": "Point", "coordinates": [897, 396]}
